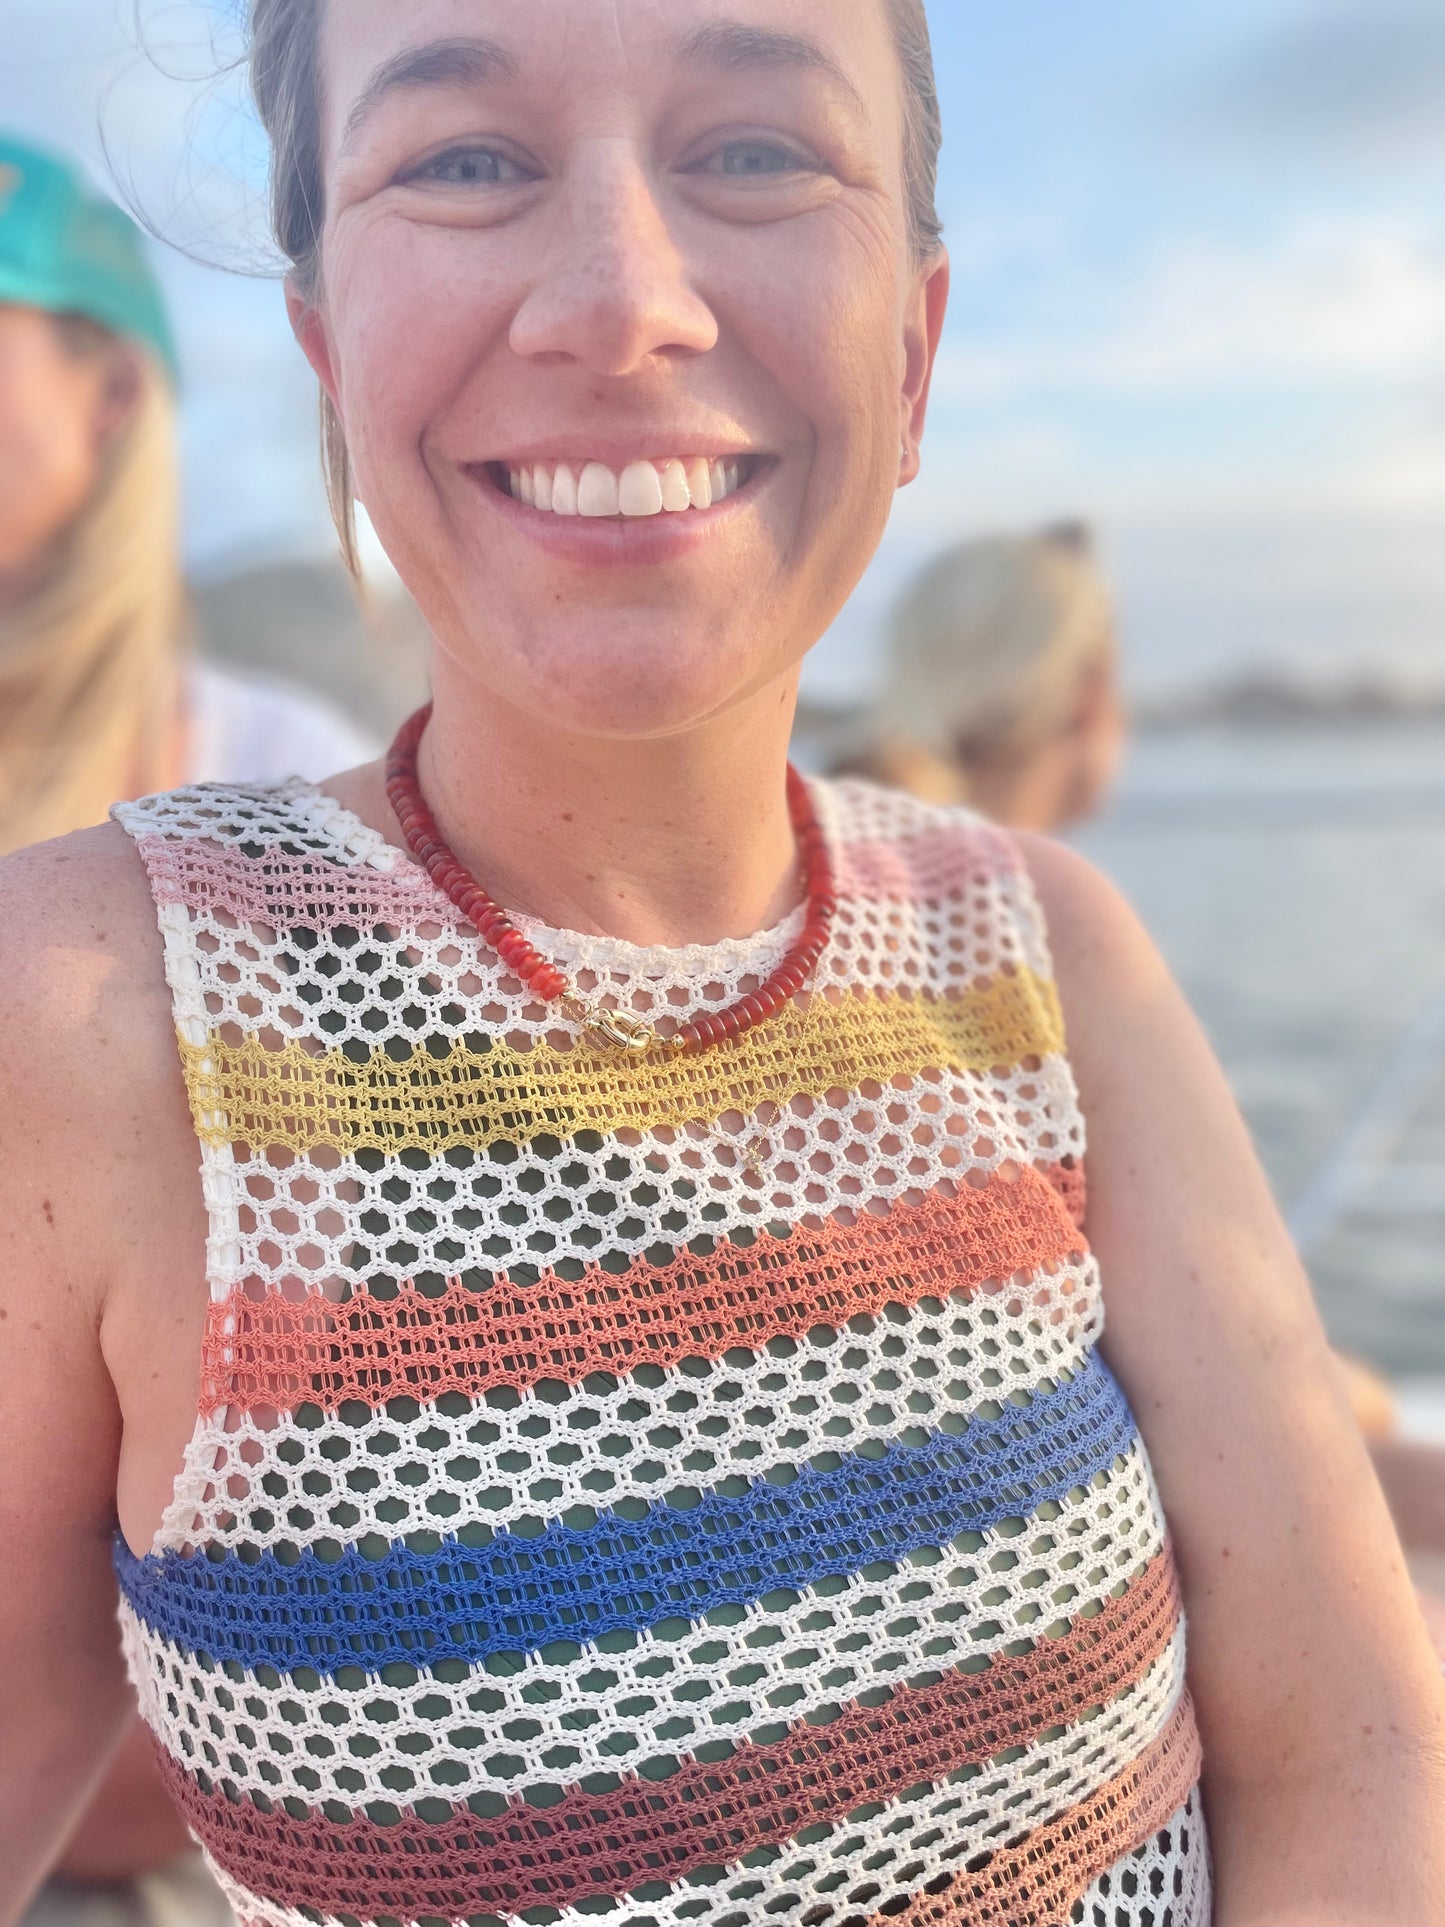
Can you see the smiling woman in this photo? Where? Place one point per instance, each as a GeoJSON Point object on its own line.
{"type": "Point", "coordinates": [286, 80]}
{"type": "Point", "coordinates": [619, 1428]}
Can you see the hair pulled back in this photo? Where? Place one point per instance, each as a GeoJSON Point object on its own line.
{"type": "Point", "coordinates": [285, 63]}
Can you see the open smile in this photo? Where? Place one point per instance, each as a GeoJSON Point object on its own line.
{"type": "Point", "coordinates": [584, 489]}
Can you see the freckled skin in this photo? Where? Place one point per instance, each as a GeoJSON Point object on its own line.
{"type": "Point", "coordinates": [620, 285]}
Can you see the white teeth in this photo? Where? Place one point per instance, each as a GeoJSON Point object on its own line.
{"type": "Point", "coordinates": [699, 483]}
{"type": "Point", "coordinates": [564, 491]}
{"type": "Point", "coordinates": [676, 495]}
{"type": "Point", "coordinates": [597, 492]}
{"type": "Point", "coordinates": [642, 489]}
{"type": "Point", "coordinates": [639, 492]}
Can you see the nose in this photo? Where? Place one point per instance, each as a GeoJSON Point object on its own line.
{"type": "Point", "coordinates": [611, 289]}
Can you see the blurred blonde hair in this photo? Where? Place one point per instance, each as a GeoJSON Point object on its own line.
{"type": "Point", "coordinates": [989, 646]}
{"type": "Point", "coordinates": [89, 662]}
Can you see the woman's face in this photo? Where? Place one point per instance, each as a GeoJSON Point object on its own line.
{"type": "Point", "coordinates": [587, 266]}
{"type": "Point", "coordinates": [57, 414]}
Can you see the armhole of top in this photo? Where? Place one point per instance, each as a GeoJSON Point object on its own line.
{"type": "Point", "coordinates": [1025, 912]}
{"type": "Point", "coordinates": [175, 921]}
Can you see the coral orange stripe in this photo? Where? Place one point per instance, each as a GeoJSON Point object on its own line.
{"type": "Point", "coordinates": [284, 1352]}
{"type": "Point", "coordinates": [586, 1845]}
{"type": "Point", "coordinates": [304, 1100]}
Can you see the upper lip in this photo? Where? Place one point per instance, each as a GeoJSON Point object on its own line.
{"type": "Point", "coordinates": [616, 451]}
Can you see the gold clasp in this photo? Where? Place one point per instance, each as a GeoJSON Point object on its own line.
{"type": "Point", "coordinates": [628, 1034]}
{"type": "Point", "coordinates": [612, 1029]}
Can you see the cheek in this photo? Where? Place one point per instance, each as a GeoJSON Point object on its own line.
{"type": "Point", "coordinates": [834, 349]}
{"type": "Point", "coordinates": [48, 465]}
{"type": "Point", "coordinates": [415, 324]}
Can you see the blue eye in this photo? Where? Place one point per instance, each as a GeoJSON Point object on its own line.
{"type": "Point", "coordinates": [471, 167]}
{"type": "Point", "coordinates": [754, 160]}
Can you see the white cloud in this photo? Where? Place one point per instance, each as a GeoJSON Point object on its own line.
{"type": "Point", "coordinates": [1336, 303]}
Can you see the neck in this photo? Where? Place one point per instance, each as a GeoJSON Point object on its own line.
{"type": "Point", "coordinates": [674, 840]}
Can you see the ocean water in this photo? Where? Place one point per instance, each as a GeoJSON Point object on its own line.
{"type": "Point", "coordinates": [1295, 880]}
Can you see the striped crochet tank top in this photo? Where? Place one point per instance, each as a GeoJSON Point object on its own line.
{"type": "Point", "coordinates": [652, 1492]}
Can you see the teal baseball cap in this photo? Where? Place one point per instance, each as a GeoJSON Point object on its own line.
{"type": "Point", "coordinates": [66, 248]}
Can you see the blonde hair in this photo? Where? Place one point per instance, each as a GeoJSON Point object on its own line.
{"type": "Point", "coordinates": [989, 646]}
{"type": "Point", "coordinates": [89, 662]}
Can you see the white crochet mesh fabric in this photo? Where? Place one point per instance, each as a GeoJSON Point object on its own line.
{"type": "Point", "coordinates": [1165, 1883]}
{"type": "Point", "coordinates": [481, 1304]}
{"type": "Point", "coordinates": [875, 1863]}
{"type": "Point", "coordinates": [731, 1675]}
{"type": "Point", "coordinates": [579, 1450]}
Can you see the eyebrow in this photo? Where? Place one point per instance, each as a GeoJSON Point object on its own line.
{"type": "Point", "coordinates": [439, 63]}
{"type": "Point", "coordinates": [733, 46]}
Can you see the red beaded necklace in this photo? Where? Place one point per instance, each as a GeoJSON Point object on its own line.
{"type": "Point", "coordinates": [613, 1028]}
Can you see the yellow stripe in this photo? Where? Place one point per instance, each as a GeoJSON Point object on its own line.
{"type": "Point", "coordinates": [301, 1099]}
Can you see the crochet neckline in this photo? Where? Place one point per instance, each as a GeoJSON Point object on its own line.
{"type": "Point", "coordinates": [373, 848]}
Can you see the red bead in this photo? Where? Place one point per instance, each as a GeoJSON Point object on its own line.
{"type": "Point", "coordinates": [430, 849]}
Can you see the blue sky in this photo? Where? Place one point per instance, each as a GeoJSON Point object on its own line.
{"type": "Point", "coordinates": [1199, 298]}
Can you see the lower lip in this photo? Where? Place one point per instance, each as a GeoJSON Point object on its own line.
{"type": "Point", "coordinates": [619, 541]}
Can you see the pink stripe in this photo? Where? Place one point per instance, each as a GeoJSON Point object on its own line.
{"type": "Point", "coordinates": [279, 887]}
{"type": "Point", "coordinates": [928, 867]}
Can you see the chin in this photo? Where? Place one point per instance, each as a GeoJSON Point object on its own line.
{"type": "Point", "coordinates": [624, 680]}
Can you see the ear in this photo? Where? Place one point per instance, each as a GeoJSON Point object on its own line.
{"type": "Point", "coordinates": [308, 324]}
{"type": "Point", "coordinates": [1097, 699]}
{"type": "Point", "coordinates": [119, 395]}
{"type": "Point", "coordinates": [922, 332]}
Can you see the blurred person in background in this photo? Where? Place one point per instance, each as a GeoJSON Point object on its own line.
{"type": "Point", "coordinates": [1002, 685]}
{"type": "Point", "coordinates": [100, 696]}
{"type": "Point", "coordinates": [1003, 692]}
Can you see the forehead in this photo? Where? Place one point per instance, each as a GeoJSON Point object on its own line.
{"type": "Point", "coordinates": [583, 48]}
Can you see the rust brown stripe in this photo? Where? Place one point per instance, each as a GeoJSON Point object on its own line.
{"type": "Point", "coordinates": [703, 1814]}
{"type": "Point", "coordinates": [1035, 1881]}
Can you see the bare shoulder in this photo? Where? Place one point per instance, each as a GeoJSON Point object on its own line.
{"type": "Point", "coordinates": [86, 1045]}
{"type": "Point", "coordinates": [72, 911]}
{"type": "Point", "coordinates": [1111, 978]}
{"type": "Point", "coordinates": [79, 946]}
{"type": "Point", "coordinates": [1092, 926]}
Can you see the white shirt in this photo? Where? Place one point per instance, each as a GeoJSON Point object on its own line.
{"type": "Point", "coordinates": [249, 729]}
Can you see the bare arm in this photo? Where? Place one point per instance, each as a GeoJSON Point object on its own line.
{"type": "Point", "coordinates": [78, 966]}
{"type": "Point", "coordinates": [1320, 1702]}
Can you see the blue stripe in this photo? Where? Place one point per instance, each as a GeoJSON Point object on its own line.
{"type": "Point", "coordinates": [517, 1594]}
